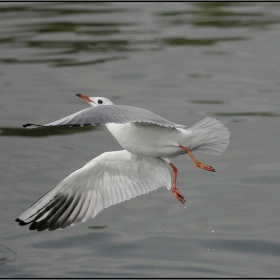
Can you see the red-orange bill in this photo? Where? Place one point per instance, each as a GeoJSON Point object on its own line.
{"type": "Point", "coordinates": [85, 97]}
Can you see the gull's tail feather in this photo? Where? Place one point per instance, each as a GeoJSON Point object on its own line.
{"type": "Point", "coordinates": [209, 136]}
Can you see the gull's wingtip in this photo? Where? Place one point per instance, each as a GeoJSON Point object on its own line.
{"type": "Point", "coordinates": [20, 222]}
{"type": "Point", "coordinates": [31, 124]}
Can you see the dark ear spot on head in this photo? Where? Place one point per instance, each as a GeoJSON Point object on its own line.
{"type": "Point", "coordinates": [100, 101]}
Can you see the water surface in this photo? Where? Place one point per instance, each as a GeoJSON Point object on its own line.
{"type": "Point", "coordinates": [183, 61]}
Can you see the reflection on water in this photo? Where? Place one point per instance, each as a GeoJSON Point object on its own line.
{"type": "Point", "coordinates": [207, 102]}
{"type": "Point", "coordinates": [216, 14]}
{"type": "Point", "coordinates": [248, 114]}
{"type": "Point", "coordinates": [197, 42]}
{"type": "Point", "coordinates": [56, 38]}
{"type": "Point", "coordinates": [60, 62]}
{"type": "Point", "coordinates": [42, 132]}
{"type": "Point", "coordinates": [97, 227]}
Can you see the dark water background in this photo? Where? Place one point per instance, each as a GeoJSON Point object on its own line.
{"type": "Point", "coordinates": [183, 61]}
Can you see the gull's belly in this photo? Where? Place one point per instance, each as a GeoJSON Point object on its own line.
{"type": "Point", "coordinates": [151, 140]}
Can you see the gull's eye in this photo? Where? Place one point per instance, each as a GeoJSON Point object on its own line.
{"type": "Point", "coordinates": [100, 101]}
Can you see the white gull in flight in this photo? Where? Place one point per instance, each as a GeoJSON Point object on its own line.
{"type": "Point", "coordinates": [151, 143]}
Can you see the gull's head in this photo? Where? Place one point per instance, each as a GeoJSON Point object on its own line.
{"type": "Point", "coordinates": [95, 101]}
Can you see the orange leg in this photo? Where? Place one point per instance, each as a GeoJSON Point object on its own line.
{"type": "Point", "coordinates": [175, 190]}
{"type": "Point", "coordinates": [197, 163]}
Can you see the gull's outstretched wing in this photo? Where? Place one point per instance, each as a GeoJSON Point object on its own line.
{"type": "Point", "coordinates": [111, 114]}
{"type": "Point", "coordinates": [108, 179]}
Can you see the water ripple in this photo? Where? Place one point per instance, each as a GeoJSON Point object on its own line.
{"type": "Point", "coordinates": [6, 254]}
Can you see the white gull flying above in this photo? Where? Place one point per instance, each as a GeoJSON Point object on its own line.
{"type": "Point", "coordinates": [151, 143]}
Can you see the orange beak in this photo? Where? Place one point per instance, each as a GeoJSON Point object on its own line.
{"type": "Point", "coordinates": [85, 97]}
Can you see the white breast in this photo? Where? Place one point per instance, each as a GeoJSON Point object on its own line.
{"type": "Point", "coordinates": [147, 139]}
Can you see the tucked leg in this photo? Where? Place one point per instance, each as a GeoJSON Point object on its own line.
{"type": "Point", "coordinates": [175, 190]}
{"type": "Point", "coordinates": [197, 163]}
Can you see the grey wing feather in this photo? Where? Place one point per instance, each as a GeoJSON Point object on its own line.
{"type": "Point", "coordinates": [108, 179]}
{"type": "Point", "coordinates": [112, 114]}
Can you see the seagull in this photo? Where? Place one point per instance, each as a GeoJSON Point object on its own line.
{"type": "Point", "coordinates": [151, 144]}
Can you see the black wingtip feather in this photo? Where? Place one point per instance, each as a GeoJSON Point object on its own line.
{"type": "Point", "coordinates": [20, 222]}
{"type": "Point", "coordinates": [26, 125]}
{"type": "Point", "coordinates": [31, 124]}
